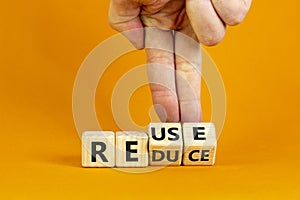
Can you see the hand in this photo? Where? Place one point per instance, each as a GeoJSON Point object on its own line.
{"type": "Point", "coordinates": [174, 80]}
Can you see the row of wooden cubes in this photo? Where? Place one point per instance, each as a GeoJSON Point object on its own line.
{"type": "Point", "coordinates": [165, 144]}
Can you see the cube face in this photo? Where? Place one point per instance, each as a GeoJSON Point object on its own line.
{"type": "Point", "coordinates": [98, 149]}
{"type": "Point", "coordinates": [165, 144]}
{"type": "Point", "coordinates": [200, 143]}
{"type": "Point", "coordinates": [131, 149]}
{"type": "Point", "coordinates": [199, 156]}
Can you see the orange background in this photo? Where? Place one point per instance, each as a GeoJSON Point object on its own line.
{"type": "Point", "coordinates": [42, 44]}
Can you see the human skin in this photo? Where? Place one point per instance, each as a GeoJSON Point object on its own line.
{"type": "Point", "coordinates": [174, 80]}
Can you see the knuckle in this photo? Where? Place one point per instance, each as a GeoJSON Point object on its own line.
{"type": "Point", "coordinates": [161, 60]}
{"type": "Point", "coordinates": [187, 68]}
{"type": "Point", "coordinates": [112, 23]}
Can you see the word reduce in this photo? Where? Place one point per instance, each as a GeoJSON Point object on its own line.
{"type": "Point", "coordinates": [165, 144]}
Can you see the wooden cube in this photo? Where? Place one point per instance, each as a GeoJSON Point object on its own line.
{"type": "Point", "coordinates": [200, 143]}
{"type": "Point", "coordinates": [98, 149]}
{"type": "Point", "coordinates": [131, 149]}
{"type": "Point", "coordinates": [165, 143]}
